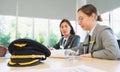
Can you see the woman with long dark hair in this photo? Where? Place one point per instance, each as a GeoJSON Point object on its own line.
{"type": "Point", "coordinates": [68, 37]}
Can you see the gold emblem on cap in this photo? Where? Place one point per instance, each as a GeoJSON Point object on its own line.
{"type": "Point", "coordinates": [20, 45]}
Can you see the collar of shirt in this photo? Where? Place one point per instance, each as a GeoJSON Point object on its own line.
{"type": "Point", "coordinates": [66, 38]}
{"type": "Point", "coordinates": [91, 32]}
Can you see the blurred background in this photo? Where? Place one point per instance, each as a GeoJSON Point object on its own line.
{"type": "Point", "coordinates": [40, 19]}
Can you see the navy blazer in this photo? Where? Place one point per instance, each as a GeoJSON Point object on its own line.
{"type": "Point", "coordinates": [73, 40]}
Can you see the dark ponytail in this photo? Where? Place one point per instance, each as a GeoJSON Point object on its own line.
{"type": "Point", "coordinates": [99, 18]}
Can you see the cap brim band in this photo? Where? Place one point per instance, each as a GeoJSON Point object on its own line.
{"type": "Point", "coordinates": [27, 56]}
{"type": "Point", "coordinates": [23, 63]}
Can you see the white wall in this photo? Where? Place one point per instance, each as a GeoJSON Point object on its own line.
{"type": "Point", "coordinates": [8, 7]}
{"type": "Point", "coordinates": [51, 9]}
{"type": "Point", "coordinates": [105, 5]}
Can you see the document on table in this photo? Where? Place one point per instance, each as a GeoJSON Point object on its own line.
{"type": "Point", "coordinates": [82, 68]}
{"type": "Point", "coordinates": [58, 54]}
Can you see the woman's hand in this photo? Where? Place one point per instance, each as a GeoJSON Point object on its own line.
{"type": "Point", "coordinates": [86, 55]}
{"type": "Point", "coordinates": [51, 48]}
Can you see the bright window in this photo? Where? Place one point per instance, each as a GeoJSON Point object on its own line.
{"type": "Point", "coordinates": [24, 27]}
{"type": "Point", "coordinates": [116, 22]}
{"type": "Point", "coordinates": [41, 30]}
{"type": "Point", "coordinates": [7, 29]}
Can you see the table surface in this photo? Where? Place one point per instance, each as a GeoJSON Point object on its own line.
{"type": "Point", "coordinates": [57, 63]}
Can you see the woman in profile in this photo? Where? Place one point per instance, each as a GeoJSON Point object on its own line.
{"type": "Point", "coordinates": [68, 37]}
{"type": "Point", "coordinates": [100, 41]}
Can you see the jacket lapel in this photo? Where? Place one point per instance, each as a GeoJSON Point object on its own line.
{"type": "Point", "coordinates": [86, 44]}
{"type": "Point", "coordinates": [93, 39]}
{"type": "Point", "coordinates": [68, 45]}
{"type": "Point", "coordinates": [92, 42]}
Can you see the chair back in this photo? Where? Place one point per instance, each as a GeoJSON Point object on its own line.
{"type": "Point", "coordinates": [3, 50]}
{"type": "Point", "coordinates": [118, 43]}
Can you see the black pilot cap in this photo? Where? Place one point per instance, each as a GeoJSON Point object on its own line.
{"type": "Point", "coordinates": [27, 52]}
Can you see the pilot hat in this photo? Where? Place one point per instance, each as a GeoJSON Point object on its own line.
{"type": "Point", "coordinates": [27, 52]}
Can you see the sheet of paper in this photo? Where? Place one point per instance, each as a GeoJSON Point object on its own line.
{"type": "Point", "coordinates": [58, 53]}
{"type": "Point", "coordinates": [81, 68]}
